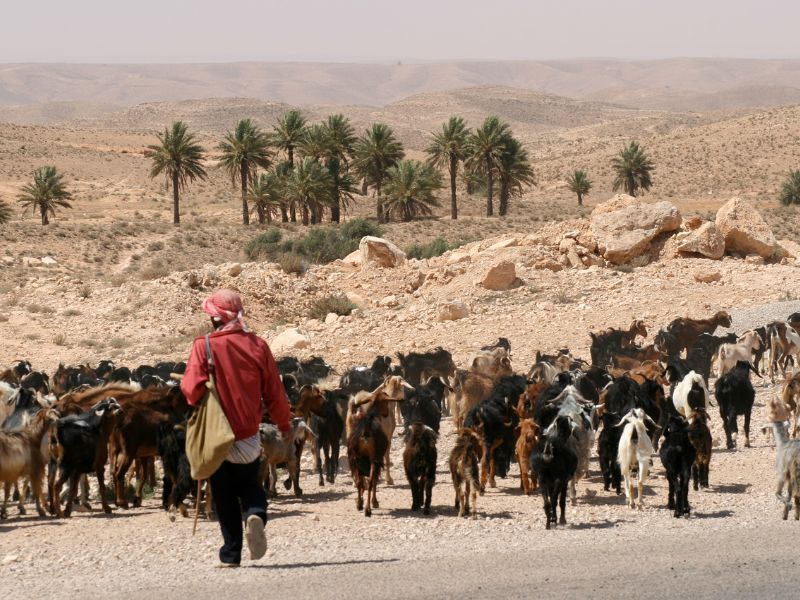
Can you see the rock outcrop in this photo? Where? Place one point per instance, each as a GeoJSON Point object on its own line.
{"type": "Point", "coordinates": [746, 232]}
{"type": "Point", "coordinates": [624, 226]}
{"type": "Point", "coordinates": [706, 240]}
{"type": "Point", "coordinates": [289, 339]}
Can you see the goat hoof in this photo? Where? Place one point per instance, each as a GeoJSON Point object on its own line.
{"type": "Point", "coordinates": [321, 482]}
{"type": "Point", "coordinates": [171, 517]}
{"type": "Point", "coordinates": [547, 525]}
{"type": "Point", "coordinates": [22, 510]}
{"type": "Point", "coordinates": [298, 492]}
{"type": "Point", "coordinates": [427, 511]}
{"type": "Point", "coordinates": [367, 512]}
{"type": "Point", "coordinates": [137, 502]}
{"type": "Point", "coordinates": [375, 504]}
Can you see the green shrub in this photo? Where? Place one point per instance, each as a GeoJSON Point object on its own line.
{"type": "Point", "coordinates": [355, 229]}
{"type": "Point", "coordinates": [432, 249]}
{"type": "Point", "coordinates": [336, 303]}
{"type": "Point", "coordinates": [292, 263]}
{"type": "Point", "coordinates": [264, 245]}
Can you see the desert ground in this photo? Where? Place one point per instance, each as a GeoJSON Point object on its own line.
{"type": "Point", "coordinates": [125, 284]}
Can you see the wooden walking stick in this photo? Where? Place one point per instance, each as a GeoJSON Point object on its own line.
{"type": "Point", "coordinates": [196, 508]}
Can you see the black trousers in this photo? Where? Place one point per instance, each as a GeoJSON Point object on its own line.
{"type": "Point", "coordinates": [237, 495]}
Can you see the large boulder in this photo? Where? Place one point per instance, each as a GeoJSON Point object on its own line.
{"type": "Point", "coordinates": [624, 227]}
{"type": "Point", "coordinates": [287, 340]}
{"type": "Point", "coordinates": [745, 230]}
{"type": "Point", "coordinates": [706, 240]}
{"type": "Point", "coordinates": [500, 276]}
{"type": "Point", "coordinates": [380, 252]}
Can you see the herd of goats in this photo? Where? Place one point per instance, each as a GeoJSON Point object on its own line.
{"type": "Point", "coordinates": [642, 399]}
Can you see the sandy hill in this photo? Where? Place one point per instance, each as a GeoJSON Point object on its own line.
{"type": "Point", "coordinates": [666, 84]}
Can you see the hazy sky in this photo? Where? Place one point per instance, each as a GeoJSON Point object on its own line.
{"type": "Point", "coordinates": [377, 30]}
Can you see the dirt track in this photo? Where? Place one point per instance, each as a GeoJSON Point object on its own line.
{"type": "Point", "coordinates": [320, 546]}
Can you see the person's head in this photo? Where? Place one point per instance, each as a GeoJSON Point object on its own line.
{"type": "Point", "coordinates": [224, 307]}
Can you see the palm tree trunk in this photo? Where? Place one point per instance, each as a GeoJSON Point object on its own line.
{"type": "Point", "coordinates": [503, 197]}
{"type": "Point", "coordinates": [262, 215]}
{"type": "Point", "coordinates": [176, 200]}
{"type": "Point", "coordinates": [292, 208]}
{"type": "Point", "coordinates": [489, 188]}
{"type": "Point", "coordinates": [284, 214]}
{"type": "Point", "coordinates": [304, 210]}
{"type": "Point", "coordinates": [45, 218]}
{"type": "Point", "coordinates": [245, 176]}
{"type": "Point", "coordinates": [379, 202]}
{"type": "Point", "coordinates": [631, 187]}
{"type": "Point", "coordinates": [580, 199]}
{"type": "Point", "coordinates": [336, 208]}
{"type": "Point", "coordinates": [453, 199]}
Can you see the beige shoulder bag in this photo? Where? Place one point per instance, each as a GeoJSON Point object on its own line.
{"type": "Point", "coordinates": [209, 436]}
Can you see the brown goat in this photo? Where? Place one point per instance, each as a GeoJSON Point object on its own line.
{"type": "Point", "coordinates": [633, 357]}
{"type": "Point", "coordinates": [23, 453]}
{"type": "Point", "coordinates": [700, 437]}
{"type": "Point", "coordinates": [682, 333]}
{"type": "Point", "coordinates": [464, 469]}
{"type": "Point", "coordinates": [474, 386]}
{"type": "Point", "coordinates": [368, 444]}
{"type": "Point", "coordinates": [391, 390]}
{"type": "Point", "coordinates": [609, 341]}
{"type": "Point", "coordinates": [527, 438]}
{"type": "Point", "coordinates": [791, 400]}
{"type": "Point", "coordinates": [526, 405]}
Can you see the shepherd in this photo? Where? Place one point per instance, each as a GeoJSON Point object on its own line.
{"type": "Point", "coordinates": [247, 382]}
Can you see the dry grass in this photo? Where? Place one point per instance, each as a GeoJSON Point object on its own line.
{"type": "Point", "coordinates": [60, 339]}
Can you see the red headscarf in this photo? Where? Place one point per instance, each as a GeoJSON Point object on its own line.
{"type": "Point", "coordinates": [225, 305]}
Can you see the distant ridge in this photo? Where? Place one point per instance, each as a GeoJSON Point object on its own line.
{"type": "Point", "coordinates": [671, 84]}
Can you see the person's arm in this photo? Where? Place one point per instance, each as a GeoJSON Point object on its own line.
{"type": "Point", "coordinates": [274, 395]}
{"type": "Point", "coordinates": [193, 384]}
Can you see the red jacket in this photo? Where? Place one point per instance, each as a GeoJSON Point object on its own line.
{"type": "Point", "coordinates": [247, 379]}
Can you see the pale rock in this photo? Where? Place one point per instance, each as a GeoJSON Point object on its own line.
{"type": "Point", "coordinates": [235, 270]}
{"type": "Point", "coordinates": [10, 558]}
{"type": "Point", "coordinates": [29, 261]}
{"type": "Point", "coordinates": [500, 276]}
{"type": "Point", "coordinates": [506, 243]}
{"type": "Point", "coordinates": [452, 311]}
{"type": "Point", "coordinates": [457, 257]}
{"type": "Point", "coordinates": [626, 231]}
{"type": "Point", "coordinates": [706, 240]}
{"type": "Point", "coordinates": [389, 301]}
{"type": "Point", "coordinates": [745, 231]}
{"type": "Point", "coordinates": [706, 275]}
{"type": "Point", "coordinates": [379, 252]}
{"type": "Point", "coordinates": [9, 260]}
{"type": "Point", "coordinates": [354, 259]}
{"type": "Point", "coordinates": [49, 261]}
{"type": "Point", "coordinates": [289, 339]}
{"type": "Point", "coordinates": [331, 318]}
{"type": "Point", "coordinates": [754, 259]}
{"type": "Point", "coordinates": [692, 223]}
{"type": "Point", "coordinates": [356, 299]}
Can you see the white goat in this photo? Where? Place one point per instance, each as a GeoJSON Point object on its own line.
{"type": "Point", "coordinates": [634, 452]}
{"type": "Point", "coordinates": [787, 459]}
{"type": "Point", "coordinates": [690, 394]}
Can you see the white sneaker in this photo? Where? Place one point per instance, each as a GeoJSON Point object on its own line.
{"type": "Point", "coordinates": [255, 536]}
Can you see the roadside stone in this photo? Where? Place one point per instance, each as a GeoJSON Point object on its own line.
{"type": "Point", "coordinates": [501, 276]}
{"type": "Point", "coordinates": [380, 252]}
{"type": "Point", "coordinates": [452, 311]}
{"type": "Point", "coordinates": [706, 275]}
{"type": "Point", "coordinates": [289, 339]}
{"type": "Point", "coordinates": [746, 232]}
{"type": "Point", "coordinates": [706, 240]}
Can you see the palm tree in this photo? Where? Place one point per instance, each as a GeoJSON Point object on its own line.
{"type": "Point", "coordinates": [375, 152]}
{"type": "Point", "coordinates": [514, 171]}
{"type": "Point", "coordinates": [308, 185]}
{"type": "Point", "coordinates": [243, 150]}
{"type": "Point", "coordinates": [448, 147]}
{"type": "Point", "coordinates": [410, 187]}
{"type": "Point", "coordinates": [46, 193]}
{"type": "Point", "coordinates": [180, 158]}
{"type": "Point", "coordinates": [790, 192]}
{"type": "Point", "coordinates": [341, 135]}
{"type": "Point", "coordinates": [485, 146]}
{"type": "Point", "coordinates": [342, 186]}
{"type": "Point", "coordinates": [286, 135]}
{"type": "Point", "coordinates": [579, 184]}
{"type": "Point", "coordinates": [5, 212]}
{"type": "Point", "coordinates": [265, 193]}
{"type": "Point", "coordinates": [633, 169]}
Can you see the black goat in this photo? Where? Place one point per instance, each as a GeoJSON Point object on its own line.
{"type": "Point", "coordinates": [79, 445]}
{"type": "Point", "coordinates": [555, 463]}
{"type": "Point", "coordinates": [25, 408]}
{"type": "Point", "coordinates": [607, 447]}
{"type": "Point", "coordinates": [678, 456]}
{"type": "Point", "coordinates": [327, 424]}
{"type": "Point", "coordinates": [735, 396]}
{"type": "Point", "coordinates": [424, 403]}
{"type": "Point", "coordinates": [178, 482]}
{"type": "Point", "coordinates": [500, 343]}
{"type": "Point", "coordinates": [416, 367]}
{"type": "Point", "coordinates": [37, 381]}
{"type": "Point", "coordinates": [365, 379]}
{"type": "Point", "coordinates": [419, 459]}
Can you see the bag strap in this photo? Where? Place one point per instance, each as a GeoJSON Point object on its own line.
{"type": "Point", "coordinates": [209, 356]}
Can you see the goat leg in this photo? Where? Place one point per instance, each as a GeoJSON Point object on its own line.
{"type": "Point", "coordinates": [72, 492]}
{"type": "Point", "coordinates": [562, 504]}
{"type": "Point", "coordinates": [747, 429]}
